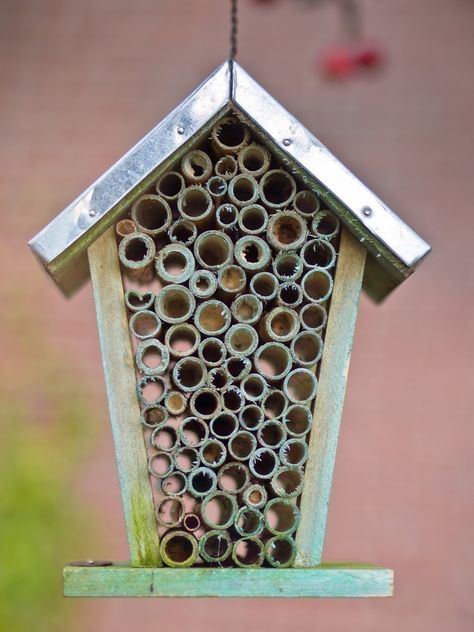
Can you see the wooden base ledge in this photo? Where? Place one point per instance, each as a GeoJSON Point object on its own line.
{"type": "Point", "coordinates": [327, 580]}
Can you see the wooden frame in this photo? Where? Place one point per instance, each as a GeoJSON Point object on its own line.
{"type": "Point", "coordinates": [122, 396]}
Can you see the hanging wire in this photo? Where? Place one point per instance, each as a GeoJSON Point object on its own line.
{"type": "Point", "coordinates": [234, 24]}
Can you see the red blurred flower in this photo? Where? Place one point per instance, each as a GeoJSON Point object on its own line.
{"type": "Point", "coordinates": [343, 61]}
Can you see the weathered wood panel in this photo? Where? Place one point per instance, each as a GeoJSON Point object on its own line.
{"type": "Point", "coordinates": [329, 580]}
{"type": "Point", "coordinates": [123, 401]}
{"type": "Point", "coordinates": [329, 401]}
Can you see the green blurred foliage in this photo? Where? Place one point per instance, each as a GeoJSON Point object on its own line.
{"type": "Point", "coordinates": [44, 431]}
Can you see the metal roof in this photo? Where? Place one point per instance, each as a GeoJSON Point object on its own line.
{"type": "Point", "coordinates": [394, 248]}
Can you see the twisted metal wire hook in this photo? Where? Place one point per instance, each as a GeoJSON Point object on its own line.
{"type": "Point", "coordinates": [234, 25]}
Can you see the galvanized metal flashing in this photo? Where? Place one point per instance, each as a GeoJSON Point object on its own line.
{"type": "Point", "coordinates": [395, 248]}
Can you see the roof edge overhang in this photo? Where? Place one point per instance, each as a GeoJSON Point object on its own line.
{"type": "Point", "coordinates": [395, 250]}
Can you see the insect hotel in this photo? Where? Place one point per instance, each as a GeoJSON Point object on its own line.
{"type": "Point", "coordinates": [227, 251]}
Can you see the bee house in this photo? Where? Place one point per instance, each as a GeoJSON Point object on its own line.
{"type": "Point", "coordinates": [227, 251]}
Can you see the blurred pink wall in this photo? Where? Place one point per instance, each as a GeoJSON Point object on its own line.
{"type": "Point", "coordinates": [80, 82]}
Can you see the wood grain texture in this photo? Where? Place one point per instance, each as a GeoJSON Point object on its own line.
{"type": "Point", "coordinates": [124, 408]}
{"type": "Point", "coordinates": [329, 580]}
{"type": "Point", "coordinates": [329, 401]}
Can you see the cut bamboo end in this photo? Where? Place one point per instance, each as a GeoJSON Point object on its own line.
{"type": "Point", "coordinates": [286, 230]}
{"type": "Point", "coordinates": [189, 374]}
{"type": "Point", "coordinates": [212, 351]}
{"type": "Point", "coordinates": [153, 415]}
{"type": "Point", "coordinates": [241, 340]}
{"type": "Point", "coordinates": [233, 477]}
{"type": "Point", "coordinates": [152, 215]}
{"type": "Point", "coordinates": [195, 205]}
{"type": "Point", "coordinates": [212, 318]}
{"type": "Point", "coordinates": [277, 189]}
{"type": "Point", "coordinates": [175, 403]}
{"type": "Point", "coordinates": [313, 317]}
{"type": "Point", "coordinates": [151, 390]}
{"type": "Point", "coordinates": [325, 225]}
{"type": "Point", "coordinates": [226, 167]}
{"type": "Point", "coordinates": [252, 253]}
{"type": "Point", "coordinates": [318, 253]}
{"type": "Point", "coordinates": [137, 301]}
{"type": "Point", "coordinates": [306, 203]}
{"type": "Point", "coordinates": [254, 387]}
{"type": "Point", "coordinates": [247, 309]}
{"type": "Point", "coordinates": [229, 136]}
{"type": "Point", "coordinates": [178, 549]}
{"type": "Point", "coordinates": [255, 496]}
{"type": "Point", "coordinates": [290, 294]}
{"type": "Point", "coordinates": [164, 437]}
{"type": "Point", "coordinates": [254, 160]}
{"type": "Point", "coordinates": [152, 357]}
{"type": "Point", "coordinates": [264, 463]}
{"type": "Point", "coordinates": [182, 340]}
{"type": "Point", "coordinates": [287, 266]}
{"type": "Point", "coordinates": [238, 368]}
{"type": "Point", "coordinates": [186, 459]}
{"type": "Point", "coordinates": [274, 404]}
{"type": "Point", "coordinates": [137, 254]}
{"type": "Point", "coordinates": [231, 280]}
{"type": "Point", "coordinates": [265, 286]}
{"type": "Point", "coordinates": [317, 285]}
{"type": "Point", "coordinates": [307, 348]}
{"type": "Point", "coordinates": [215, 546]}
{"type": "Point", "coordinates": [192, 522]}
{"type": "Point", "coordinates": [227, 216]}
{"type": "Point", "coordinates": [170, 185]}
{"type": "Point", "coordinates": [175, 263]}
{"type": "Point", "coordinates": [196, 167]}
{"type": "Point", "coordinates": [205, 403]}
{"type": "Point", "coordinates": [300, 386]}
{"type": "Point", "coordinates": [249, 522]}
{"type": "Point", "coordinates": [201, 482]}
{"type": "Point", "coordinates": [125, 227]}
{"type": "Point", "coordinates": [183, 231]}
{"type": "Point", "coordinates": [175, 304]}
{"type": "Point", "coordinates": [241, 445]}
{"type": "Point", "coordinates": [170, 511]}
{"type": "Point", "coordinates": [217, 187]}
{"type": "Point", "coordinates": [273, 361]}
{"type": "Point", "coordinates": [288, 482]}
{"type": "Point", "coordinates": [233, 399]}
{"type": "Point", "coordinates": [251, 417]}
{"type": "Point", "coordinates": [281, 516]}
{"type": "Point", "coordinates": [243, 190]}
{"type": "Point", "coordinates": [281, 324]}
{"type": "Point", "coordinates": [213, 453]}
{"type": "Point", "coordinates": [219, 378]}
{"type": "Point", "coordinates": [193, 432]}
{"type": "Point", "coordinates": [253, 220]}
{"type": "Point", "coordinates": [144, 324]}
{"type": "Point", "coordinates": [160, 464]}
{"type": "Point", "coordinates": [248, 552]}
{"type": "Point", "coordinates": [224, 425]}
{"type": "Point", "coordinates": [218, 510]}
{"type": "Point", "coordinates": [203, 284]}
{"type": "Point", "coordinates": [214, 249]}
{"type": "Point", "coordinates": [271, 434]}
{"type": "Point", "coordinates": [280, 551]}
{"type": "Point", "coordinates": [298, 420]}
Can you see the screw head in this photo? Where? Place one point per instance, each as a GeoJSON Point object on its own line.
{"type": "Point", "coordinates": [287, 142]}
{"type": "Point", "coordinates": [180, 130]}
{"type": "Point", "coordinates": [367, 211]}
{"type": "Point", "coordinates": [92, 212]}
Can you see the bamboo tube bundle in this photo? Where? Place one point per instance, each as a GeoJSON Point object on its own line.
{"type": "Point", "coordinates": [228, 263]}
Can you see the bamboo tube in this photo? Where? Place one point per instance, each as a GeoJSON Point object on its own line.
{"type": "Point", "coordinates": [248, 553]}
{"type": "Point", "coordinates": [205, 403]}
{"type": "Point", "coordinates": [286, 230]}
{"type": "Point", "coordinates": [233, 399]}
{"type": "Point", "coordinates": [170, 511]}
{"type": "Point", "coordinates": [192, 522]}
{"type": "Point", "coordinates": [280, 324]}
{"type": "Point", "coordinates": [238, 368]}
{"type": "Point", "coordinates": [241, 445]}
{"type": "Point", "coordinates": [294, 453]}
{"type": "Point", "coordinates": [151, 389]}
{"type": "Point", "coordinates": [212, 352]}
{"type": "Point", "coordinates": [137, 301]}
{"type": "Point", "coordinates": [317, 285]}
{"type": "Point", "coordinates": [306, 203]}
{"type": "Point", "coordinates": [186, 459]}
{"type": "Point", "coordinates": [241, 340]}
{"type": "Point", "coordinates": [231, 281]}
{"type": "Point", "coordinates": [280, 551]}
{"type": "Point", "coordinates": [176, 484]}
{"type": "Point", "coordinates": [273, 361]}
{"type": "Point", "coordinates": [160, 464]}
{"type": "Point", "coordinates": [277, 189]}
{"type": "Point", "coordinates": [233, 477]}
{"type": "Point", "coordinates": [254, 160]}
{"type": "Point", "coordinates": [189, 374]}
{"type": "Point", "coordinates": [325, 225]}
{"type": "Point", "coordinates": [271, 434]}
{"type": "Point", "coordinates": [201, 482]}
{"type": "Point", "coordinates": [213, 453]}
{"type": "Point", "coordinates": [274, 404]}
{"type": "Point", "coordinates": [307, 348]}
{"type": "Point", "coordinates": [243, 190]}
{"type": "Point", "coordinates": [265, 286]}
{"type": "Point", "coordinates": [226, 506]}
{"type": "Point", "coordinates": [249, 522]}
{"type": "Point", "coordinates": [290, 294]}
{"type": "Point", "coordinates": [218, 378]}
{"type": "Point", "coordinates": [213, 249]}
{"type": "Point", "coordinates": [251, 417]}
{"type": "Point", "coordinates": [226, 167]}
{"type": "Point", "coordinates": [183, 231]}
{"type": "Point", "coordinates": [247, 309]}
{"type": "Point", "coordinates": [175, 403]}
{"type": "Point", "coordinates": [151, 214]}
{"type": "Point", "coordinates": [175, 304]}
{"type": "Point", "coordinates": [174, 263]}
{"type": "Point", "coordinates": [164, 437]}
{"type": "Point", "coordinates": [196, 167]}
{"type": "Point", "coordinates": [152, 357]}
{"type": "Point", "coordinates": [224, 425]}
{"type": "Point", "coordinates": [264, 463]}
{"type": "Point", "coordinates": [253, 219]}
{"type": "Point", "coordinates": [203, 284]}
{"type": "Point", "coordinates": [182, 340]}
{"type": "Point", "coordinates": [144, 324]}
{"type": "Point", "coordinates": [252, 253]}
{"type": "Point", "coordinates": [169, 185]}
{"type": "Point", "coordinates": [300, 386]}
{"type": "Point", "coordinates": [153, 415]}
{"type": "Point", "coordinates": [313, 317]}
{"type": "Point", "coordinates": [178, 549]}
{"type": "Point", "coordinates": [318, 253]}
{"type": "Point", "coordinates": [215, 546]}
{"type": "Point", "coordinates": [255, 496]}
{"type": "Point", "coordinates": [288, 482]}
{"type": "Point", "coordinates": [124, 227]}
{"type": "Point", "coordinates": [217, 187]}
{"type": "Point", "coordinates": [137, 254]}
{"type": "Point", "coordinates": [287, 266]}
{"type": "Point", "coordinates": [212, 318]}
{"type": "Point", "coordinates": [229, 136]}
{"type": "Point", "coordinates": [298, 420]}
{"type": "Point", "coordinates": [227, 216]}
{"type": "Point", "coordinates": [281, 516]}
{"type": "Point", "coordinates": [193, 432]}
{"type": "Point", "coordinates": [195, 205]}
{"type": "Point", "coordinates": [253, 387]}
